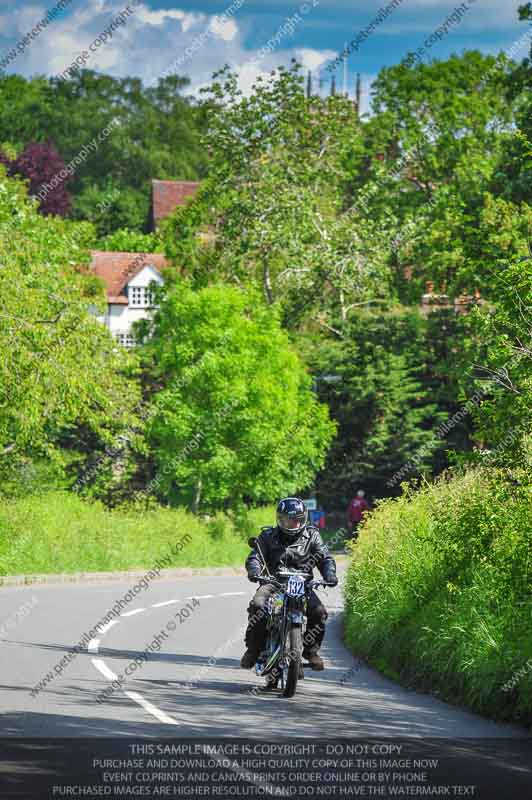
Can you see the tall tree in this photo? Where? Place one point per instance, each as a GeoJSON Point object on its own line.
{"type": "Point", "coordinates": [59, 367]}
{"type": "Point", "coordinates": [153, 134]}
{"type": "Point", "coordinates": [374, 381]}
{"type": "Point", "coordinates": [42, 165]}
{"type": "Point", "coordinates": [273, 201]}
{"type": "Point", "coordinates": [236, 418]}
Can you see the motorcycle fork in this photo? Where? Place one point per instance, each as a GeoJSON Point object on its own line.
{"type": "Point", "coordinates": [294, 609]}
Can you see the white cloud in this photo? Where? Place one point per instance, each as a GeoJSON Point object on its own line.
{"type": "Point", "coordinates": [313, 59]}
{"type": "Point", "coordinates": [148, 17]}
{"type": "Point", "coordinates": [224, 29]}
{"type": "Point", "coordinates": [145, 44]}
{"type": "Point", "coordinates": [150, 43]}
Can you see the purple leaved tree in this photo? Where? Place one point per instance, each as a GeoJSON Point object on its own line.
{"type": "Point", "coordinates": [41, 165]}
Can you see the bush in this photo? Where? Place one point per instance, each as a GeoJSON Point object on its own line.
{"type": "Point", "coordinates": [59, 532]}
{"type": "Point", "coordinates": [438, 592]}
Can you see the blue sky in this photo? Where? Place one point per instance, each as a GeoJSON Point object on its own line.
{"type": "Point", "coordinates": [158, 33]}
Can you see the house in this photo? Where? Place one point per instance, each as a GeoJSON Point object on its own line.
{"type": "Point", "coordinates": [433, 301]}
{"type": "Point", "coordinates": [168, 195]}
{"type": "Point", "coordinates": [128, 279]}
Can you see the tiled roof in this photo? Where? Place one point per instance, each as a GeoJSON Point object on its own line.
{"type": "Point", "coordinates": [117, 269]}
{"type": "Point", "coordinates": [168, 195]}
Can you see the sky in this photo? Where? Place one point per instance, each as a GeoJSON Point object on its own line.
{"type": "Point", "coordinates": [252, 36]}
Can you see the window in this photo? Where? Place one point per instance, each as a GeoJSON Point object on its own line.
{"type": "Point", "coordinates": [125, 339]}
{"type": "Point", "coordinates": [140, 296]}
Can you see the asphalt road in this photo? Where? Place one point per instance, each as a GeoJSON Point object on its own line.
{"type": "Point", "coordinates": [193, 686]}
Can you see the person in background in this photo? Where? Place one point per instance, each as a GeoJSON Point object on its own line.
{"type": "Point", "coordinates": [355, 511]}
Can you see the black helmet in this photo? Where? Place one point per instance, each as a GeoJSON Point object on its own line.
{"type": "Point", "coordinates": [291, 516]}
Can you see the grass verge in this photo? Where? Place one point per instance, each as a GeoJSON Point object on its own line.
{"type": "Point", "coordinates": [58, 532]}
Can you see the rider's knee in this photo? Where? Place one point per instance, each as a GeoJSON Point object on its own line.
{"type": "Point", "coordinates": [257, 608]}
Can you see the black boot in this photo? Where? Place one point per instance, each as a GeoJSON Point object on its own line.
{"type": "Point", "coordinates": [249, 659]}
{"type": "Point", "coordinates": [314, 661]}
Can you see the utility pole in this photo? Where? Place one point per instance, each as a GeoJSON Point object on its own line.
{"type": "Point", "coordinates": [333, 85]}
{"type": "Point", "coordinates": [309, 84]}
{"type": "Point", "coordinates": [357, 94]}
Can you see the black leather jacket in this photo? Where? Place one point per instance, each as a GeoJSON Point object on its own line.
{"type": "Point", "coordinates": [305, 553]}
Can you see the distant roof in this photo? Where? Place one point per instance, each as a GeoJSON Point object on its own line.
{"type": "Point", "coordinates": [168, 195]}
{"type": "Point", "coordinates": [117, 269]}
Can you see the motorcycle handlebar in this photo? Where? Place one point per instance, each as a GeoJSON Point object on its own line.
{"type": "Point", "coordinates": [263, 579]}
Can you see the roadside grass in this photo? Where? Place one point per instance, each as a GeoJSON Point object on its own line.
{"type": "Point", "coordinates": [58, 532]}
{"type": "Point", "coordinates": [439, 592]}
{"type": "Point", "coordinates": [335, 538]}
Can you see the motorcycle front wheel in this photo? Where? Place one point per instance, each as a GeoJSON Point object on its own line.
{"type": "Point", "coordinates": [294, 647]}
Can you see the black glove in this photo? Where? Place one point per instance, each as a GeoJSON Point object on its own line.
{"type": "Point", "coordinates": [331, 578]}
{"type": "Point", "coordinates": [253, 577]}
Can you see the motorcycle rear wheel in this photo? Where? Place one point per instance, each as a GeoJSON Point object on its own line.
{"type": "Point", "coordinates": [294, 647]}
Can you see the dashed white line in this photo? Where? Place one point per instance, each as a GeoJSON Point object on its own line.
{"type": "Point", "coordinates": [109, 625]}
{"type": "Point", "coordinates": [166, 603]}
{"type": "Point", "coordinates": [151, 709]}
{"type": "Point", "coordinates": [200, 596]}
{"type": "Point", "coordinates": [102, 667]}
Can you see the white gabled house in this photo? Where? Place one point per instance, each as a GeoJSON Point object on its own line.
{"type": "Point", "coordinates": [128, 276]}
{"type": "Point", "coordinates": [129, 280]}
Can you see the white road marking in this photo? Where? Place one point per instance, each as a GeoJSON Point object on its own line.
{"type": "Point", "coordinates": [106, 627]}
{"type": "Point", "coordinates": [104, 669]}
{"type": "Point", "coordinates": [151, 709]}
{"type": "Point", "coordinates": [199, 596]}
{"type": "Point", "coordinates": [166, 603]}
{"type": "Point", "coordinates": [110, 675]}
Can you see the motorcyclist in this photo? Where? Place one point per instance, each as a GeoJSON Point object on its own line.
{"type": "Point", "coordinates": [292, 544]}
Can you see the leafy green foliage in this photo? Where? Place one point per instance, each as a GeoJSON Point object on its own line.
{"type": "Point", "coordinates": [374, 382]}
{"type": "Point", "coordinates": [126, 240]}
{"type": "Point", "coordinates": [274, 201]}
{"type": "Point", "coordinates": [236, 418]}
{"type": "Point", "coordinates": [59, 368]}
{"type": "Point", "coordinates": [505, 422]}
{"type": "Point", "coordinates": [439, 592]}
{"type": "Point", "coordinates": [154, 135]}
{"type": "Point", "coordinates": [92, 538]}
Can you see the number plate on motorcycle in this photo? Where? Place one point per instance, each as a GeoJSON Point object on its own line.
{"type": "Point", "coordinates": [296, 586]}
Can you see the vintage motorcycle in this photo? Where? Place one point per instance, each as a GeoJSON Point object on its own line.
{"type": "Point", "coordinates": [281, 660]}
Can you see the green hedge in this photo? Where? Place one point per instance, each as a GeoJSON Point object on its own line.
{"type": "Point", "coordinates": [439, 592]}
{"type": "Point", "coordinates": [58, 532]}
